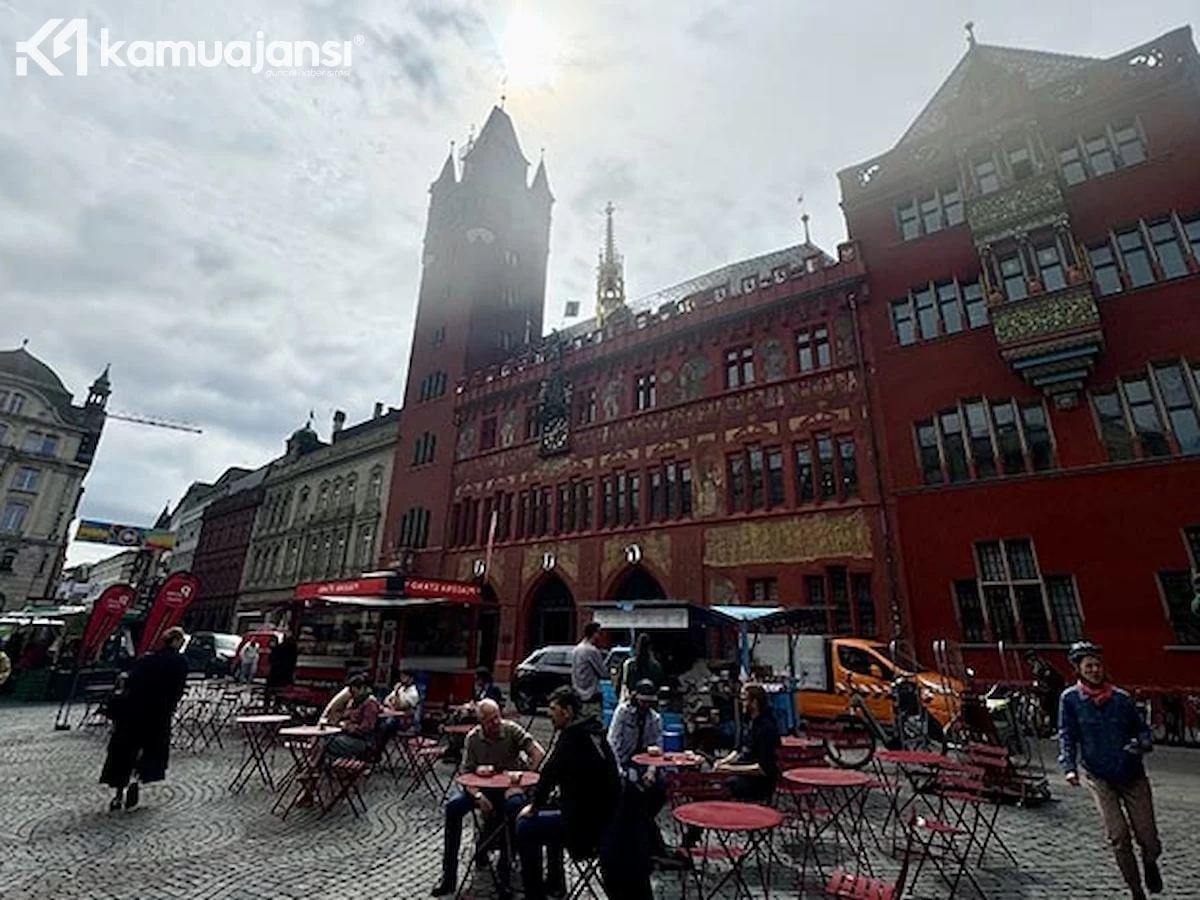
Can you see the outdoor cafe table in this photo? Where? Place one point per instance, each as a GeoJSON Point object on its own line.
{"type": "Point", "coordinates": [500, 781]}
{"type": "Point", "coordinates": [301, 741]}
{"type": "Point", "coordinates": [801, 743]}
{"type": "Point", "coordinates": [260, 739]}
{"type": "Point", "coordinates": [462, 729]}
{"type": "Point", "coordinates": [919, 768]}
{"type": "Point", "coordinates": [843, 792]}
{"type": "Point", "coordinates": [667, 760]}
{"type": "Point", "coordinates": [743, 831]}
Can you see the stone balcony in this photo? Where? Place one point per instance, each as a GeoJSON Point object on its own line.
{"type": "Point", "coordinates": [1052, 340]}
{"type": "Point", "coordinates": [1020, 208]}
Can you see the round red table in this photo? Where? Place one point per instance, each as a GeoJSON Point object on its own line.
{"type": "Point", "coordinates": [917, 758]}
{"type": "Point", "coordinates": [667, 760]}
{"type": "Point", "coordinates": [728, 819]}
{"type": "Point", "coordinates": [458, 729]}
{"type": "Point", "coordinates": [260, 731]}
{"type": "Point", "coordinates": [498, 782]}
{"type": "Point", "coordinates": [843, 792]}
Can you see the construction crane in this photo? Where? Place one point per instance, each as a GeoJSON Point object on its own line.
{"type": "Point", "coordinates": [154, 422]}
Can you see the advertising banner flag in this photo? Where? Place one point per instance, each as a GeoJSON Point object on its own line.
{"type": "Point", "coordinates": [124, 535]}
{"type": "Point", "coordinates": [110, 607]}
{"type": "Point", "coordinates": [171, 602]}
{"type": "Point", "coordinates": [491, 542]}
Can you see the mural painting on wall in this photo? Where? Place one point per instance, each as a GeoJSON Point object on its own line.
{"type": "Point", "coordinates": [709, 486]}
{"type": "Point", "coordinates": [722, 591]}
{"type": "Point", "coordinates": [612, 398]}
{"type": "Point", "coordinates": [770, 350]}
{"type": "Point", "coordinates": [655, 547]}
{"type": "Point", "coordinates": [798, 539]}
{"type": "Point", "coordinates": [692, 375]}
{"type": "Point", "coordinates": [508, 429]}
{"type": "Point", "coordinates": [466, 443]}
{"type": "Point", "coordinates": [843, 330]}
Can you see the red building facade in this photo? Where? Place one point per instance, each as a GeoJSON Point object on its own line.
{"type": "Point", "coordinates": [979, 421]}
{"type": "Point", "coordinates": [1033, 249]}
{"type": "Point", "coordinates": [220, 558]}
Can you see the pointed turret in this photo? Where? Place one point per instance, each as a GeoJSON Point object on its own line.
{"type": "Point", "coordinates": [449, 174]}
{"type": "Point", "coordinates": [610, 274]}
{"type": "Point", "coordinates": [496, 144]}
{"type": "Point", "coordinates": [541, 182]}
{"type": "Point", "coordinates": [100, 390]}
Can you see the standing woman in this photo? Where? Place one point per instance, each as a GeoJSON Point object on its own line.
{"type": "Point", "coordinates": [141, 738]}
{"type": "Point", "coordinates": [642, 666]}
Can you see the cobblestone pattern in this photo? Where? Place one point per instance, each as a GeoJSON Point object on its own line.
{"type": "Point", "coordinates": [192, 839]}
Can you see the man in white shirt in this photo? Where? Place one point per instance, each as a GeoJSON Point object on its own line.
{"type": "Point", "coordinates": [587, 670]}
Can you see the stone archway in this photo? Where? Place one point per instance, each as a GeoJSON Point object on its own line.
{"type": "Point", "coordinates": [552, 619]}
{"type": "Point", "coordinates": [637, 584]}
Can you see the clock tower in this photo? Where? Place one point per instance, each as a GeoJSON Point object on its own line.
{"type": "Point", "coordinates": [482, 294]}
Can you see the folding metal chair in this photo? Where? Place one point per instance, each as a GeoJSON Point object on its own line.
{"type": "Point", "coordinates": [866, 887]}
{"type": "Point", "coordinates": [345, 773]}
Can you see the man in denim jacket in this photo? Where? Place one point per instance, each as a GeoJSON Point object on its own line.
{"type": "Point", "coordinates": [1099, 721]}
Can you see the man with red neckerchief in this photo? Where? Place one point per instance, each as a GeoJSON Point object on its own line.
{"type": "Point", "coordinates": [1100, 723]}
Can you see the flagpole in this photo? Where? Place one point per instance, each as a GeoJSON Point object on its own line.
{"type": "Point", "coordinates": [491, 541]}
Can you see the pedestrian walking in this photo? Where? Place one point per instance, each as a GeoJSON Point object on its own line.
{"type": "Point", "coordinates": [140, 744]}
{"type": "Point", "coordinates": [1099, 725]}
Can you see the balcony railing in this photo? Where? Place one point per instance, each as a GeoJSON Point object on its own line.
{"type": "Point", "coordinates": [1036, 202]}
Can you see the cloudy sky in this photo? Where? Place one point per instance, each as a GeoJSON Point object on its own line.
{"type": "Point", "coordinates": [245, 248]}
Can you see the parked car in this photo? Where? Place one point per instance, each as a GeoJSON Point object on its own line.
{"type": "Point", "coordinates": [548, 668]}
{"type": "Point", "coordinates": [211, 652]}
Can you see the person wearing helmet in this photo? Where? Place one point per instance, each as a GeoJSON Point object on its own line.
{"type": "Point", "coordinates": [1099, 725]}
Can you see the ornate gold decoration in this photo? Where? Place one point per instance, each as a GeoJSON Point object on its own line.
{"type": "Point", "coordinates": [1033, 203]}
{"type": "Point", "coordinates": [798, 539]}
{"type": "Point", "coordinates": [732, 435]}
{"type": "Point", "coordinates": [1045, 315]}
{"type": "Point", "coordinates": [708, 487]}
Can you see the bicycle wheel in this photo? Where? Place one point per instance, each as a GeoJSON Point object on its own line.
{"type": "Point", "coordinates": [921, 733]}
{"type": "Point", "coordinates": [852, 746]}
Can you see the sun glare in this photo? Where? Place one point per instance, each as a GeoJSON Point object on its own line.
{"type": "Point", "coordinates": [530, 50]}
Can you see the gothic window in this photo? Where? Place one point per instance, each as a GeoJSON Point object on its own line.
{"type": "Point", "coordinates": [376, 485]}
{"type": "Point", "coordinates": [1138, 417]}
{"type": "Point", "coordinates": [1102, 152]}
{"type": "Point", "coordinates": [938, 308]}
{"type": "Point", "coordinates": [813, 349]}
{"type": "Point", "coordinates": [1167, 249]}
{"type": "Point", "coordinates": [981, 439]}
{"type": "Point", "coordinates": [739, 367]}
{"type": "Point", "coordinates": [585, 406]}
{"type": "Point", "coordinates": [487, 434]}
{"type": "Point", "coordinates": [931, 212]}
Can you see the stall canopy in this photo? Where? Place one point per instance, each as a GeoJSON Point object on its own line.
{"type": "Point", "coordinates": [644, 615]}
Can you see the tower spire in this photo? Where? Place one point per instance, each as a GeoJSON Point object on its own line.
{"type": "Point", "coordinates": [610, 273]}
{"type": "Point", "coordinates": [804, 219]}
{"type": "Point", "coordinates": [970, 29]}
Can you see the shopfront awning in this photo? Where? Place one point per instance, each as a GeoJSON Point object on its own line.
{"type": "Point", "coordinates": [643, 615]}
{"type": "Point", "coordinates": [393, 602]}
{"type": "Point", "coordinates": [389, 590]}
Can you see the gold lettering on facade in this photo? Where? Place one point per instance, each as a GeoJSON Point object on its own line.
{"type": "Point", "coordinates": [798, 539]}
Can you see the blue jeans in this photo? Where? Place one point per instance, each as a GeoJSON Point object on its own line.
{"type": "Point", "coordinates": [543, 829]}
{"type": "Point", "coordinates": [458, 808]}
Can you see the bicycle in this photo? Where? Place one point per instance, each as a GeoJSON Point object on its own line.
{"type": "Point", "coordinates": [852, 738]}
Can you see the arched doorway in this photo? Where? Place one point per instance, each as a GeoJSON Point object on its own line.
{"type": "Point", "coordinates": [638, 584]}
{"type": "Point", "coordinates": [489, 628]}
{"type": "Point", "coordinates": [551, 615]}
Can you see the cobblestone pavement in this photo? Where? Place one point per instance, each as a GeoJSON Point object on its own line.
{"type": "Point", "coordinates": [191, 838]}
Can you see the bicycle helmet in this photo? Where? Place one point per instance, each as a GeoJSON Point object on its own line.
{"type": "Point", "coordinates": [1080, 649]}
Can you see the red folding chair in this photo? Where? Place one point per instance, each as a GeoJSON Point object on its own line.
{"type": "Point", "coordinates": [867, 887]}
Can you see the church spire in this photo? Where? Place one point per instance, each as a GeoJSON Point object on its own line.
{"type": "Point", "coordinates": [610, 273]}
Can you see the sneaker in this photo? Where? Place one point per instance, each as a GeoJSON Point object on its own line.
{"type": "Point", "coordinates": [1154, 882]}
{"type": "Point", "coordinates": [131, 796]}
{"type": "Point", "coordinates": [116, 803]}
{"type": "Point", "coordinates": [442, 889]}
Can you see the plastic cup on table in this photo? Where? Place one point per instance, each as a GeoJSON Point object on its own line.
{"type": "Point", "coordinates": [485, 771]}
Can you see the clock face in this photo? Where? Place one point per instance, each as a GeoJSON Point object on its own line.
{"type": "Point", "coordinates": [555, 437]}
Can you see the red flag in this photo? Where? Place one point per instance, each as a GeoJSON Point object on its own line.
{"type": "Point", "coordinates": [171, 602]}
{"type": "Point", "coordinates": [106, 615]}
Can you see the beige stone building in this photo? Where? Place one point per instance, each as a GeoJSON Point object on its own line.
{"type": "Point", "coordinates": [324, 510]}
{"type": "Point", "coordinates": [47, 444]}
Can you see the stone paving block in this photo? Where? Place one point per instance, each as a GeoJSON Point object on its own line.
{"type": "Point", "coordinates": [191, 838]}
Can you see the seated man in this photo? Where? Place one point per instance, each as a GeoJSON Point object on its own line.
{"type": "Point", "coordinates": [356, 719]}
{"type": "Point", "coordinates": [583, 769]}
{"type": "Point", "coordinates": [754, 762]}
{"type": "Point", "coordinates": [637, 726]}
{"type": "Point", "coordinates": [506, 747]}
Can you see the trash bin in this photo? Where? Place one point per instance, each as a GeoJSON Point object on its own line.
{"type": "Point", "coordinates": [672, 740]}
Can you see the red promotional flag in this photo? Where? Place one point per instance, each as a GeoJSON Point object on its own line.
{"type": "Point", "coordinates": [106, 615]}
{"type": "Point", "coordinates": [171, 602]}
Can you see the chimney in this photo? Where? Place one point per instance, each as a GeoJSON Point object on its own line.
{"type": "Point", "coordinates": [339, 419]}
{"type": "Point", "coordinates": [378, 410]}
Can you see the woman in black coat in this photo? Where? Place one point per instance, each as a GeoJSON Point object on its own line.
{"type": "Point", "coordinates": [141, 738]}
